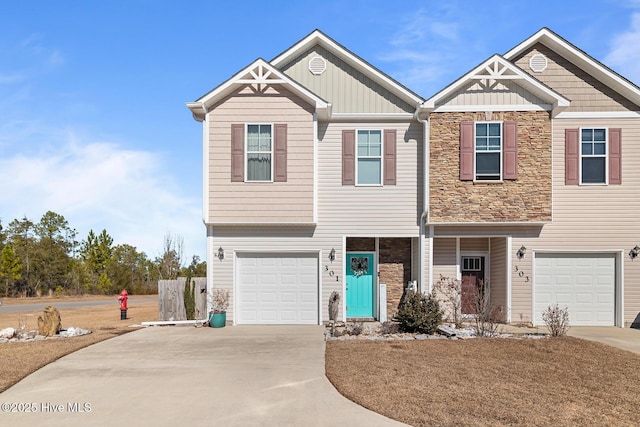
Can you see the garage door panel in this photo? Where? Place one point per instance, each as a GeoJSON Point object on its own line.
{"type": "Point", "coordinates": [584, 283]}
{"type": "Point", "coordinates": [286, 285]}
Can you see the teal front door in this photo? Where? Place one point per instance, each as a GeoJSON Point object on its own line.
{"type": "Point", "coordinates": [359, 276]}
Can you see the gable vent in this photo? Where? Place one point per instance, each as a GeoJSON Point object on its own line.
{"type": "Point", "coordinates": [538, 63]}
{"type": "Point", "coordinates": [317, 65]}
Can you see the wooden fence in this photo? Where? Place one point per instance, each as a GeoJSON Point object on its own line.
{"type": "Point", "coordinates": [171, 296]}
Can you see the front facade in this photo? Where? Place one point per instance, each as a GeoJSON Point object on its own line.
{"type": "Point", "coordinates": [323, 174]}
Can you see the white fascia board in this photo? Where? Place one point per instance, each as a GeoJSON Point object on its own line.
{"type": "Point", "coordinates": [523, 79]}
{"type": "Point", "coordinates": [372, 116]}
{"type": "Point", "coordinates": [241, 78]}
{"type": "Point", "coordinates": [474, 108]}
{"type": "Point", "coordinates": [598, 115]}
{"type": "Point", "coordinates": [317, 37]}
{"type": "Point", "coordinates": [582, 60]}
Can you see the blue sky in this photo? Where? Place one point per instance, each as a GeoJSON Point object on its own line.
{"type": "Point", "coordinates": [93, 123]}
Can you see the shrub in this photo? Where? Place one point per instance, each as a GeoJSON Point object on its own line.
{"type": "Point", "coordinates": [354, 328]}
{"type": "Point", "coordinates": [388, 328]}
{"type": "Point", "coordinates": [488, 315]}
{"type": "Point", "coordinates": [419, 313]}
{"type": "Point", "coordinates": [449, 293]}
{"type": "Point", "coordinates": [557, 320]}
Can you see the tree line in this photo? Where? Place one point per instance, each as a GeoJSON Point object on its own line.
{"type": "Point", "coordinates": [46, 258]}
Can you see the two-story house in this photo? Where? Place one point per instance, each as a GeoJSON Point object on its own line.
{"type": "Point", "coordinates": [322, 174]}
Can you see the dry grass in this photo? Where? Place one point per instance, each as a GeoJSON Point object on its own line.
{"type": "Point", "coordinates": [21, 359]}
{"type": "Point", "coordinates": [498, 382]}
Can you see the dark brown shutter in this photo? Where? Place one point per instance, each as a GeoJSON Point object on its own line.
{"type": "Point", "coordinates": [237, 152]}
{"type": "Point", "coordinates": [390, 157]}
{"type": "Point", "coordinates": [615, 156]}
{"type": "Point", "coordinates": [280, 149]}
{"type": "Point", "coordinates": [348, 157]}
{"type": "Point", "coordinates": [571, 157]}
{"type": "Point", "coordinates": [467, 149]}
{"type": "Point", "coordinates": [510, 152]}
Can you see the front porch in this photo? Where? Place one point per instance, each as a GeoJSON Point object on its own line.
{"type": "Point", "coordinates": [378, 272]}
{"type": "Point", "coordinates": [479, 264]}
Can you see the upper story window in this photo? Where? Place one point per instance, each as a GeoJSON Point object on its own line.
{"type": "Point", "coordinates": [369, 157]}
{"type": "Point", "coordinates": [259, 152]}
{"type": "Point", "coordinates": [593, 155]}
{"type": "Point", "coordinates": [488, 151]}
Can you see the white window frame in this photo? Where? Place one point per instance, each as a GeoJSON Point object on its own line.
{"type": "Point", "coordinates": [606, 154]}
{"type": "Point", "coordinates": [246, 151]}
{"type": "Point", "coordinates": [381, 157]}
{"type": "Point", "coordinates": [475, 151]}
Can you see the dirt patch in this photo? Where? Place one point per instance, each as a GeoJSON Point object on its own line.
{"type": "Point", "coordinates": [22, 358]}
{"type": "Point", "coordinates": [498, 382]}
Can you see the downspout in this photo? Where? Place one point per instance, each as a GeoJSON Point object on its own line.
{"type": "Point", "coordinates": [425, 202]}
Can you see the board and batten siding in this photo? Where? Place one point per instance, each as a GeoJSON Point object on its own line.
{"type": "Point", "coordinates": [591, 217]}
{"type": "Point", "coordinates": [585, 92]}
{"type": "Point", "coordinates": [348, 90]}
{"type": "Point", "coordinates": [503, 93]}
{"type": "Point", "coordinates": [247, 202]}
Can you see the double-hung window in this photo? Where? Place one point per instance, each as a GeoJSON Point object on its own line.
{"type": "Point", "coordinates": [488, 151]}
{"type": "Point", "coordinates": [369, 157]}
{"type": "Point", "coordinates": [593, 155]}
{"type": "Point", "coordinates": [259, 152]}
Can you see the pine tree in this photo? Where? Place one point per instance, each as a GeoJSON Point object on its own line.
{"type": "Point", "coordinates": [10, 267]}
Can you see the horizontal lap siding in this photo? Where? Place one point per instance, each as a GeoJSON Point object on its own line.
{"type": "Point", "coordinates": [444, 258]}
{"type": "Point", "coordinates": [498, 274]}
{"type": "Point", "coordinates": [390, 210]}
{"type": "Point", "coordinates": [592, 218]}
{"type": "Point", "coordinates": [238, 202]}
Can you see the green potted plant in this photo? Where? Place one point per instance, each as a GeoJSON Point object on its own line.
{"type": "Point", "coordinates": [219, 303]}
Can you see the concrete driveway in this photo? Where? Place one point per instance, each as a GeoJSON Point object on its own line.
{"type": "Point", "coordinates": [624, 338]}
{"type": "Point", "coordinates": [169, 376]}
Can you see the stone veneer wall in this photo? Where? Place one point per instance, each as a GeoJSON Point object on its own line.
{"type": "Point", "coordinates": [395, 270]}
{"type": "Point", "coordinates": [526, 199]}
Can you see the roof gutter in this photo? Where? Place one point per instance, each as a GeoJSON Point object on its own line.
{"type": "Point", "coordinates": [425, 203]}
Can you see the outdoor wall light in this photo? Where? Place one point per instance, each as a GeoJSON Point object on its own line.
{"type": "Point", "coordinates": [332, 255]}
{"type": "Point", "coordinates": [521, 252]}
{"type": "Point", "coordinates": [633, 253]}
{"type": "Point", "coordinates": [220, 253]}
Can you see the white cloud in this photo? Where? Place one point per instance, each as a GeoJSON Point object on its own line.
{"type": "Point", "coordinates": [425, 48]}
{"type": "Point", "coordinates": [97, 185]}
{"type": "Point", "coordinates": [625, 53]}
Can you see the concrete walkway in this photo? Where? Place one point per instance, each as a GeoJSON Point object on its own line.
{"type": "Point", "coordinates": [169, 376]}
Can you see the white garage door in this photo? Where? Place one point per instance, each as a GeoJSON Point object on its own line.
{"type": "Point", "coordinates": [277, 289]}
{"type": "Point", "coordinates": [585, 283]}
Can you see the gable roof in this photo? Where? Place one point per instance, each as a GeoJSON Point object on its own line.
{"type": "Point", "coordinates": [317, 37]}
{"type": "Point", "coordinates": [582, 60]}
{"type": "Point", "coordinates": [498, 68]}
{"type": "Point", "coordinates": [259, 73]}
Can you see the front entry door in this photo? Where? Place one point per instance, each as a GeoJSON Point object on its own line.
{"type": "Point", "coordinates": [359, 276]}
{"type": "Point", "coordinates": [472, 282]}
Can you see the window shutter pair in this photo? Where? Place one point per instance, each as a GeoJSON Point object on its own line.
{"type": "Point", "coordinates": [509, 150]}
{"type": "Point", "coordinates": [572, 156]}
{"type": "Point", "coordinates": [279, 150]}
{"type": "Point", "coordinates": [349, 157]}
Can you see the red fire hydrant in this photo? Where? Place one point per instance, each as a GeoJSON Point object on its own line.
{"type": "Point", "coordinates": [123, 304]}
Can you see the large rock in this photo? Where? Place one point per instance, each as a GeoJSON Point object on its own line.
{"type": "Point", "coordinates": [49, 323]}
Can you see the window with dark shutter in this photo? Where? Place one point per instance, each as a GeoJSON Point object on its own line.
{"type": "Point", "coordinates": [237, 152]}
{"type": "Point", "coordinates": [390, 157]}
{"type": "Point", "coordinates": [348, 157]}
